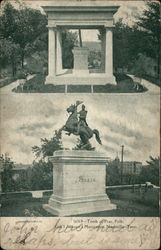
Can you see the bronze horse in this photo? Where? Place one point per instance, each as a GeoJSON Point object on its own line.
{"type": "Point", "coordinates": [84, 131]}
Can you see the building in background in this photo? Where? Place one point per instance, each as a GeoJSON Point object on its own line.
{"type": "Point", "coordinates": [132, 167]}
{"type": "Point", "coordinates": [16, 171]}
{"type": "Point", "coordinates": [129, 170]}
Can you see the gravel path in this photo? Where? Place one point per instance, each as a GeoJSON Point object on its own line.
{"type": "Point", "coordinates": [8, 89]}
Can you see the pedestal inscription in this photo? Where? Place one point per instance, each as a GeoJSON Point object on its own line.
{"type": "Point", "coordinates": [78, 183]}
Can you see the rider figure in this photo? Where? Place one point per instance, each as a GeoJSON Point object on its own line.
{"type": "Point", "coordinates": [82, 118]}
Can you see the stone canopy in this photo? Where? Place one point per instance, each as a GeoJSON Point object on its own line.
{"type": "Point", "coordinates": [79, 15]}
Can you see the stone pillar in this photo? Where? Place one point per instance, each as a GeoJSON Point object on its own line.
{"type": "Point", "coordinates": [109, 52]}
{"type": "Point", "coordinates": [109, 56]}
{"type": "Point", "coordinates": [78, 183]}
{"type": "Point", "coordinates": [103, 49]}
{"type": "Point", "coordinates": [51, 55]}
{"type": "Point", "coordinates": [59, 65]}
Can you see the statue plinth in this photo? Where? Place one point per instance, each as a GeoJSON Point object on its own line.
{"type": "Point", "coordinates": [78, 183]}
{"type": "Point", "coordinates": [80, 61]}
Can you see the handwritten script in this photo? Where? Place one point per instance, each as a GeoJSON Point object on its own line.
{"type": "Point", "coordinates": [52, 233]}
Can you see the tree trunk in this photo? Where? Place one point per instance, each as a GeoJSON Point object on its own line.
{"type": "Point", "coordinates": [13, 64]}
{"type": "Point", "coordinates": [13, 68]}
{"type": "Point", "coordinates": [158, 64]}
{"type": "Point", "coordinates": [22, 60]}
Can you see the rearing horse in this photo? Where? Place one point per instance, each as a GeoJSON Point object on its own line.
{"type": "Point", "coordinates": [84, 131]}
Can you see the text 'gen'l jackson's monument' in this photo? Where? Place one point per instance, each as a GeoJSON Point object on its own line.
{"type": "Point", "coordinates": [79, 174]}
{"type": "Point", "coordinates": [79, 15]}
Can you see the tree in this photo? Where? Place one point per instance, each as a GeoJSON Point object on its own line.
{"type": "Point", "coordinates": [33, 26]}
{"type": "Point", "coordinates": [150, 172]}
{"type": "Point", "coordinates": [7, 174]}
{"type": "Point", "coordinates": [150, 20]}
{"type": "Point", "coordinates": [26, 28]}
{"type": "Point", "coordinates": [143, 38]}
{"type": "Point", "coordinates": [43, 170]}
{"type": "Point", "coordinates": [127, 43]}
{"type": "Point", "coordinates": [113, 173]}
{"type": "Point", "coordinates": [22, 26]}
{"type": "Point", "coordinates": [41, 175]}
{"type": "Point", "coordinates": [48, 146]}
{"type": "Point", "coordinates": [69, 40]}
{"type": "Point", "coordinates": [9, 54]}
{"type": "Point", "coordinates": [121, 45]}
{"type": "Point", "coordinates": [37, 177]}
{"type": "Point", "coordinates": [23, 180]}
{"type": "Point", "coordinates": [149, 24]}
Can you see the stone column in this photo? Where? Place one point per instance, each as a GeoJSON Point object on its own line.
{"type": "Point", "coordinates": [103, 49]}
{"type": "Point", "coordinates": [109, 52]}
{"type": "Point", "coordinates": [59, 65]}
{"type": "Point", "coordinates": [51, 55]}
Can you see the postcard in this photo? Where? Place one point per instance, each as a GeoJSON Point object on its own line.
{"type": "Point", "coordinates": [80, 120]}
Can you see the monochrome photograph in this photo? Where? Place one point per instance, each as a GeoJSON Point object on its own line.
{"type": "Point", "coordinates": [80, 124]}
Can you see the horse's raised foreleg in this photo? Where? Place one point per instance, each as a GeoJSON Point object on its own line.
{"type": "Point", "coordinates": [61, 129]}
{"type": "Point", "coordinates": [64, 128]}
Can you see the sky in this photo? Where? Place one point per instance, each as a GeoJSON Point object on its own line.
{"type": "Point", "coordinates": [129, 120]}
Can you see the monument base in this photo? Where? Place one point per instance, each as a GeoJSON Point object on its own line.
{"type": "Point", "coordinates": [79, 183]}
{"type": "Point", "coordinates": [81, 79]}
{"type": "Point", "coordinates": [80, 73]}
{"type": "Point", "coordinates": [83, 205]}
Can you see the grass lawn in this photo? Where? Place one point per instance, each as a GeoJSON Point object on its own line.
{"type": "Point", "coordinates": [129, 204]}
{"type": "Point", "coordinates": [36, 85]}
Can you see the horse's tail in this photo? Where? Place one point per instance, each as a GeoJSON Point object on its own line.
{"type": "Point", "coordinates": [96, 132]}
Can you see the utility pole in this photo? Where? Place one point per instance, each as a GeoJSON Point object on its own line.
{"type": "Point", "coordinates": [122, 162]}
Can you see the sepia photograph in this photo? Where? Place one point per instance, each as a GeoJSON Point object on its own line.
{"type": "Point", "coordinates": [80, 124]}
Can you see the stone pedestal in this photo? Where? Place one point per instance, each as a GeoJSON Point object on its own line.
{"type": "Point", "coordinates": [78, 183]}
{"type": "Point", "coordinates": [80, 55]}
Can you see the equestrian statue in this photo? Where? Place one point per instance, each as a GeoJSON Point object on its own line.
{"type": "Point", "coordinates": [76, 124]}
